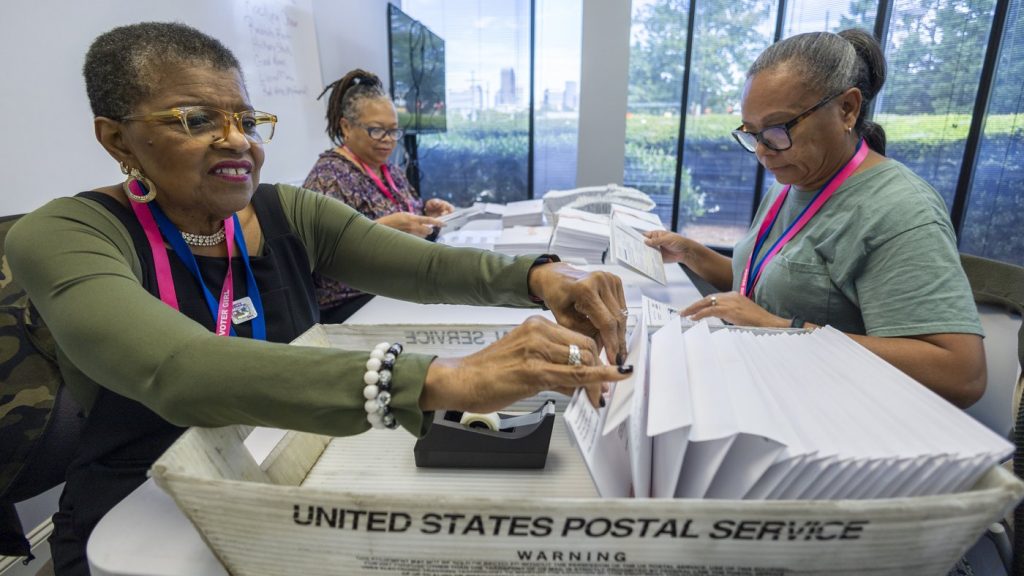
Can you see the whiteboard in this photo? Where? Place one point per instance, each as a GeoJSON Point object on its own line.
{"type": "Point", "coordinates": [48, 148]}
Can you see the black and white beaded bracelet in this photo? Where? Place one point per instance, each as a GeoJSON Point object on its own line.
{"type": "Point", "coordinates": [377, 378]}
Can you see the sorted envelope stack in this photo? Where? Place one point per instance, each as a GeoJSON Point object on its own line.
{"type": "Point", "coordinates": [580, 235]}
{"type": "Point", "coordinates": [736, 414]}
{"type": "Point", "coordinates": [520, 240]}
{"type": "Point", "coordinates": [524, 213]}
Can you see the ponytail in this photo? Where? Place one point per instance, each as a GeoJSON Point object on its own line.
{"type": "Point", "coordinates": [346, 93]}
{"type": "Point", "coordinates": [869, 77]}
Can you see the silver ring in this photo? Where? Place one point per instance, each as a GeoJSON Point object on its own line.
{"type": "Point", "coordinates": [574, 355]}
{"type": "Point", "coordinates": [714, 300]}
{"type": "Point", "coordinates": [624, 312]}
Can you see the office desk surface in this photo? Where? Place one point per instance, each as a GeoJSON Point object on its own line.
{"type": "Point", "coordinates": [147, 535]}
{"type": "Point", "coordinates": [679, 292]}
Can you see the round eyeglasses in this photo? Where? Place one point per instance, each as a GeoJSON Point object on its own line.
{"type": "Point", "coordinates": [199, 121]}
{"type": "Point", "coordinates": [776, 137]}
{"type": "Point", "coordinates": [379, 133]}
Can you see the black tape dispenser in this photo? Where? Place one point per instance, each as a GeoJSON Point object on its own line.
{"type": "Point", "coordinates": [465, 440]}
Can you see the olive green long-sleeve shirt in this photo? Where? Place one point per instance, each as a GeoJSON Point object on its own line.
{"type": "Point", "coordinates": [78, 264]}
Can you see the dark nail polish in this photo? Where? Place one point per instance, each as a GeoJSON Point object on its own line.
{"type": "Point", "coordinates": [620, 358]}
{"type": "Point", "coordinates": [602, 402]}
{"type": "Point", "coordinates": [626, 369]}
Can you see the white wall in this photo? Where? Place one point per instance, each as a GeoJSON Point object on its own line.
{"type": "Point", "coordinates": [352, 34]}
{"type": "Point", "coordinates": [48, 149]}
{"type": "Point", "coordinates": [604, 78]}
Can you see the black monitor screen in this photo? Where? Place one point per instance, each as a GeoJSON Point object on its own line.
{"type": "Point", "coordinates": [417, 73]}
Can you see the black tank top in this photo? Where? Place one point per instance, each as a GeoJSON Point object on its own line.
{"type": "Point", "coordinates": [122, 438]}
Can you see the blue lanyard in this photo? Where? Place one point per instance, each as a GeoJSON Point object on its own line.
{"type": "Point", "coordinates": [761, 240]}
{"type": "Point", "coordinates": [753, 268]}
{"type": "Point", "coordinates": [173, 236]}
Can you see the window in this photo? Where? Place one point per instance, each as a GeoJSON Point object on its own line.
{"type": "Point", "coordinates": [829, 15]}
{"type": "Point", "coordinates": [728, 36]}
{"type": "Point", "coordinates": [556, 94]}
{"type": "Point", "coordinates": [716, 183]}
{"type": "Point", "coordinates": [483, 155]}
{"type": "Point", "coordinates": [935, 51]}
{"type": "Point", "coordinates": [994, 224]}
{"type": "Point", "coordinates": [657, 64]}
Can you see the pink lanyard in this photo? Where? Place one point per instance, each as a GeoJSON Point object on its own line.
{"type": "Point", "coordinates": [164, 279]}
{"type": "Point", "coordinates": [380, 185]}
{"type": "Point", "coordinates": [809, 212]}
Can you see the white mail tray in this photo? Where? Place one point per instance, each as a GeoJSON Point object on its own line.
{"type": "Point", "coordinates": [358, 505]}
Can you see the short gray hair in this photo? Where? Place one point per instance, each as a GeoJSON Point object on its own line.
{"type": "Point", "coordinates": [122, 65]}
{"type": "Point", "coordinates": [833, 63]}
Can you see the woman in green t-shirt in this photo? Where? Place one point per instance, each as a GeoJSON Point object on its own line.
{"type": "Point", "coordinates": [847, 237]}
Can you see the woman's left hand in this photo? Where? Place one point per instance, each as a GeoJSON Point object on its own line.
{"type": "Point", "coordinates": [436, 207]}
{"type": "Point", "coordinates": [734, 308]}
{"type": "Point", "coordinates": [591, 303]}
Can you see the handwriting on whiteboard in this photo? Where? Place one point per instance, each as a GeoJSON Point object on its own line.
{"type": "Point", "coordinates": [274, 28]}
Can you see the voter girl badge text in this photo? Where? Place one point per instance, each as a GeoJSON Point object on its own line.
{"type": "Point", "coordinates": [242, 310]}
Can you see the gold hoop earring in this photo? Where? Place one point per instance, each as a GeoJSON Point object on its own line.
{"type": "Point", "coordinates": [138, 188]}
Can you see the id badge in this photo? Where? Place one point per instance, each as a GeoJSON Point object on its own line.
{"type": "Point", "coordinates": [242, 310]}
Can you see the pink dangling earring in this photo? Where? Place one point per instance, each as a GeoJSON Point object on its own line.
{"type": "Point", "coordinates": [137, 187]}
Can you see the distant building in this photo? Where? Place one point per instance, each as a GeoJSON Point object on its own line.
{"type": "Point", "coordinates": [571, 96]}
{"type": "Point", "coordinates": [506, 96]}
{"type": "Point", "coordinates": [471, 99]}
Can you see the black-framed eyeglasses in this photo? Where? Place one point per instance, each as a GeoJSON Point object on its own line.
{"type": "Point", "coordinates": [776, 137]}
{"type": "Point", "coordinates": [199, 121]}
{"type": "Point", "coordinates": [379, 133]}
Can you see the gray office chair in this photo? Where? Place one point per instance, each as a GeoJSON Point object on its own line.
{"type": "Point", "coordinates": [998, 290]}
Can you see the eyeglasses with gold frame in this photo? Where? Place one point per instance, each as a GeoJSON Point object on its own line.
{"type": "Point", "coordinates": [199, 121]}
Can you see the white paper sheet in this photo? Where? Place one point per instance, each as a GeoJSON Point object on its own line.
{"type": "Point", "coordinates": [627, 247]}
{"type": "Point", "coordinates": [606, 457]}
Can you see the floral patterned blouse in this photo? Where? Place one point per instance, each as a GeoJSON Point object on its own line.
{"type": "Point", "coordinates": [339, 177]}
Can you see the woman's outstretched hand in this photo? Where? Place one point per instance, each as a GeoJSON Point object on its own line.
{"type": "Point", "coordinates": [591, 303]}
{"type": "Point", "coordinates": [414, 224]}
{"type": "Point", "coordinates": [534, 357]}
{"type": "Point", "coordinates": [436, 207]}
{"type": "Point", "coordinates": [734, 308]}
{"type": "Point", "coordinates": [674, 247]}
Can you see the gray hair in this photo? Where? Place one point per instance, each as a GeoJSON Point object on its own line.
{"type": "Point", "coordinates": [833, 63]}
{"type": "Point", "coordinates": [123, 65]}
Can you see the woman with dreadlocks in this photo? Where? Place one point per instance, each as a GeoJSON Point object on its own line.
{"type": "Point", "coordinates": [363, 125]}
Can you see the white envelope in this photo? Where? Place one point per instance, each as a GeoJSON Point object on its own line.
{"type": "Point", "coordinates": [626, 247]}
{"type": "Point", "coordinates": [731, 446]}
{"type": "Point", "coordinates": [669, 413]}
{"type": "Point", "coordinates": [627, 410]}
{"type": "Point", "coordinates": [606, 457]}
{"type": "Point", "coordinates": [620, 396]}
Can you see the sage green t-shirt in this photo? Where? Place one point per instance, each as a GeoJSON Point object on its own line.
{"type": "Point", "coordinates": [879, 258]}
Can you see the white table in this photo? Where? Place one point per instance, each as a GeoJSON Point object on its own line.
{"type": "Point", "coordinates": [147, 535]}
{"type": "Point", "coordinates": [678, 293]}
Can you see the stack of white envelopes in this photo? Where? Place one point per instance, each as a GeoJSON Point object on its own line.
{"type": "Point", "coordinates": [580, 235]}
{"type": "Point", "coordinates": [519, 240]}
{"type": "Point", "coordinates": [524, 213]}
{"type": "Point", "coordinates": [737, 414]}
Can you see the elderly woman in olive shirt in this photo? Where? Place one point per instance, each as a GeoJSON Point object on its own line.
{"type": "Point", "coordinates": [172, 295]}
